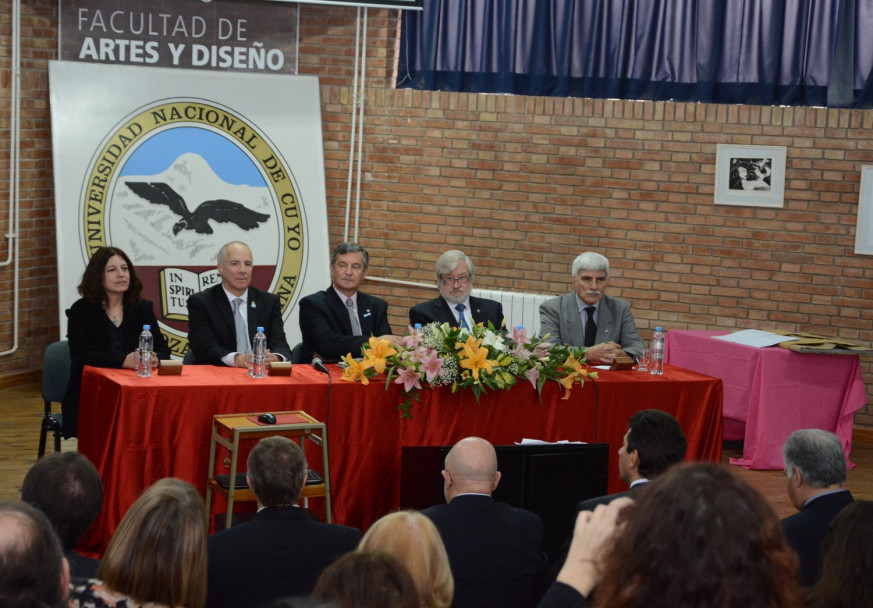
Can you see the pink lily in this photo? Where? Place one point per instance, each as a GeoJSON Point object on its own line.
{"type": "Point", "coordinates": [409, 378]}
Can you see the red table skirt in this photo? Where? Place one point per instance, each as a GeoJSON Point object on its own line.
{"type": "Point", "coordinates": [138, 430]}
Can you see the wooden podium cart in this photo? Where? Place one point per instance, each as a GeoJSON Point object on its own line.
{"type": "Point", "coordinates": [229, 429]}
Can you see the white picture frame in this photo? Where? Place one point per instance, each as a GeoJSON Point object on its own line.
{"type": "Point", "coordinates": [750, 176]}
{"type": "Point", "coordinates": [864, 225]}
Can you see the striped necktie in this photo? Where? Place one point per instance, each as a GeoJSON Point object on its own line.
{"type": "Point", "coordinates": [353, 318]}
{"type": "Point", "coordinates": [462, 320]}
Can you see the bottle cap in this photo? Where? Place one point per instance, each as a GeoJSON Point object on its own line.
{"type": "Point", "coordinates": [146, 327]}
{"type": "Point", "coordinates": [260, 329]}
{"type": "Point", "coordinates": [418, 326]}
{"type": "Point", "coordinates": [658, 328]}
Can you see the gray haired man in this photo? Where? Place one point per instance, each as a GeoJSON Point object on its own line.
{"type": "Point", "coordinates": [815, 467]}
{"type": "Point", "coordinates": [455, 306]}
{"type": "Point", "coordinates": [588, 317]}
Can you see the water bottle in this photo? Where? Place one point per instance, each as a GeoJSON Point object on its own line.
{"type": "Point", "coordinates": [144, 353]}
{"type": "Point", "coordinates": [259, 354]}
{"type": "Point", "coordinates": [656, 366]}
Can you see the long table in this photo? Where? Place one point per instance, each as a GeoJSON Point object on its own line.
{"type": "Point", "coordinates": [138, 430]}
{"type": "Point", "coordinates": [771, 392]}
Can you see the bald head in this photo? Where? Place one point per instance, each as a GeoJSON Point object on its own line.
{"type": "Point", "coordinates": [471, 467]}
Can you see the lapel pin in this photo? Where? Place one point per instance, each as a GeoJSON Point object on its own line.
{"type": "Point", "coordinates": [253, 304]}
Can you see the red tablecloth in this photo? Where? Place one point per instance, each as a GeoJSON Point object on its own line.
{"type": "Point", "coordinates": [138, 430]}
{"type": "Point", "coordinates": [771, 392]}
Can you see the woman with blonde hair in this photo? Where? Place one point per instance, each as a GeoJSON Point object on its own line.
{"type": "Point", "coordinates": [157, 556]}
{"type": "Point", "coordinates": [415, 542]}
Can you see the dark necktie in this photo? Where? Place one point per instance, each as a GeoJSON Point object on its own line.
{"type": "Point", "coordinates": [462, 322]}
{"type": "Point", "coordinates": [590, 327]}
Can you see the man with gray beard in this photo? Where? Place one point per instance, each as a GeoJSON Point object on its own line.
{"type": "Point", "coordinates": [455, 306]}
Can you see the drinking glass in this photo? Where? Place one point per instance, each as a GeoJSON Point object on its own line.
{"type": "Point", "coordinates": [249, 358]}
{"type": "Point", "coordinates": [644, 359]}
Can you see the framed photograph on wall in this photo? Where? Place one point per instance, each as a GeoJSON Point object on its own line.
{"type": "Point", "coordinates": [750, 176]}
{"type": "Point", "coordinates": [864, 228]}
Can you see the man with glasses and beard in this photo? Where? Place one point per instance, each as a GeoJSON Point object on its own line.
{"type": "Point", "coordinates": [455, 306]}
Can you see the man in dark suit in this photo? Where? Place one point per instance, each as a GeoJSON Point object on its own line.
{"type": "Point", "coordinates": [66, 486]}
{"type": "Point", "coordinates": [815, 467]}
{"type": "Point", "coordinates": [495, 551]}
{"type": "Point", "coordinates": [588, 317]}
{"type": "Point", "coordinates": [455, 306]}
{"type": "Point", "coordinates": [222, 320]}
{"type": "Point", "coordinates": [341, 319]}
{"type": "Point", "coordinates": [654, 442]}
{"type": "Point", "coordinates": [283, 550]}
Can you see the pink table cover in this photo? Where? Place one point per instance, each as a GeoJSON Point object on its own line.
{"type": "Point", "coordinates": [771, 392]}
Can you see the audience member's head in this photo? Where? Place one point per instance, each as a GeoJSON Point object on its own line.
{"type": "Point", "coordinates": [653, 443]}
{"type": "Point", "coordinates": [67, 488]}
{"type": "Point", "coordinates": [158, 552]}
{"type": "Point", "coordinates": [415, 542]}
{"type": "Point", "coordinates": [471, 467]}
{"type": "Point", "coordinates": [277, 471]}
{"type": "Point", "coordinates": [814, 463]}
{"type": "Point", "coordinates": [363, 579]}
{"type": "Point", "coordinates": [301, 601]}
{"type": "Point", "coordinates": [699, 536]}
{"type": "Point", "coordinates": [33, 570]}
{"type": "Point", "coordinates": [847, 560]}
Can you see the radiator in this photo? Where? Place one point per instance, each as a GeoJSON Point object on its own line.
{"type": "Point", "coordinates": [518, 308]}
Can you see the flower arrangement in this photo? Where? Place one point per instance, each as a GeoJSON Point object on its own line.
{"type": "Point", "coordinates": [478, 360]}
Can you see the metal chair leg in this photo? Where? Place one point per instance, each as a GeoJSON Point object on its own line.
{"type": "Point", "coordinates": [42, 438]}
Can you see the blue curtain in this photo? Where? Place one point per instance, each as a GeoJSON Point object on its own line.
{"type": "Point", "coordinates": [766, 52]}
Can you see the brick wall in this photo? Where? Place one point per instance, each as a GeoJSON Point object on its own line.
{"type": "Point", "coordinates": [523, 184]}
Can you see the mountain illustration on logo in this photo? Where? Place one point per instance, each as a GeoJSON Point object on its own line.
{"type": "Point", "coordinates": [219, 210]}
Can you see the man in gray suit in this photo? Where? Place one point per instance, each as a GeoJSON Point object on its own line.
{"type": "Point", "coordinates": [588, 317]}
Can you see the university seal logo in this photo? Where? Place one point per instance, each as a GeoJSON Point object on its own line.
{"type": "Point", "coordinates": [176, 180]}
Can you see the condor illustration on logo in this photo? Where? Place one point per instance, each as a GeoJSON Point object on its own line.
{"type": "Point", "coordinates": [178, 179]}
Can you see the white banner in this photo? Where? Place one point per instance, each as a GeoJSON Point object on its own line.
{"type": "Point", "coordinates": [170, 164]}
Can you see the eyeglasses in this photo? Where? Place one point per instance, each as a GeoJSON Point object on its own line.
{"type": "Point", "coordinates": [464, 280]}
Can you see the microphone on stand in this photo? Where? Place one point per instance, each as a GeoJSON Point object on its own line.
{"type": "Point", "coordinates": [317, 364]}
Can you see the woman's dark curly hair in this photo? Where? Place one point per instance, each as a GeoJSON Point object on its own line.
{"type": "Point", "coordinates": [699, 536]}
{"type": "Point", "coordinates": [847, 560]}
{"type": "Point", "coordinates": [91, 287]}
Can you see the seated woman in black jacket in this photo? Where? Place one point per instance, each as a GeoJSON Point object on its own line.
{"type": "Point", "coordinates": [103, 326]}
